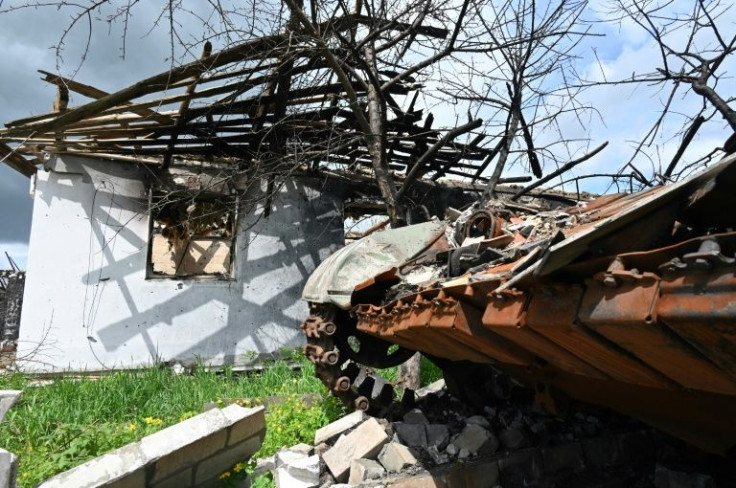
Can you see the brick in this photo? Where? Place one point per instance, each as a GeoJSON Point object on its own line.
{"type": "Point", "coordinates": [223, 461]}
{"type": "Point", "coordinates": [395, 457]}
{"type": "Point", "coordinates": [101, 471]}
{"type": "Point", "coordinates": [245, 422]}
{"type": "Point", "coordinates": [333, 430]}
{"type": "Point", "coordinates": [182, 479]}
{"type": "Point", "coordinates": [8, 468]}
{"type": "Point", "coordinates": [189, 455]}
{"type": "Point", "coordinates": [364, 442]}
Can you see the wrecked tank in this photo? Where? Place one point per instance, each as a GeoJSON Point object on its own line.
{"type": "Point", "coordinates": [625, 301]}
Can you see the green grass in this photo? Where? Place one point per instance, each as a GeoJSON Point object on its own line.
{"type": "Point", "coordinates": [58, 426]}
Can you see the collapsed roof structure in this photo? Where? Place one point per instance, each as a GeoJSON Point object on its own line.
{"type": "Point", "coordinates": [268, 106]}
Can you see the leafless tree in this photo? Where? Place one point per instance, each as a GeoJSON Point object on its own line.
{"type": "Point", "coordinates": [694, 43]}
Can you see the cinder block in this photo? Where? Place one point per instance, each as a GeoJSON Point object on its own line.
{"type": "Point", "coordinates": [8, 468]}
{"type": "Point", "coordinates": [189, 455]}
{"type": "Point", "coordinates": [333, 430]}
{"type": "Point", "coordinates": [136, 479]}
{"type": "Point", "coordinates": [101, 471]}
{"type": "Point", "coordinates": [183, 434]}
{"type": "Point", "coordinates": [364, 442]}
{"type": "Point", "coordinates": [7, 400]}
{"type": "Point", "coordinates": [182, 479]}
{"type": "Point", "coordinates": [214, 466]}
{"type": "Point", "coordinates": [245, 422]}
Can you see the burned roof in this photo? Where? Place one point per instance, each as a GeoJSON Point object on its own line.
{"type": "Point", "coordinates": [261, 105]}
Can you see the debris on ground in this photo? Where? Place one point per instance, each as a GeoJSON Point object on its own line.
{"type": "Point", "coordinates": [441, 442]}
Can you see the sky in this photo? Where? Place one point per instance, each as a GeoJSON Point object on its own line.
{"type": "Point", "coordinates": [28, 36]}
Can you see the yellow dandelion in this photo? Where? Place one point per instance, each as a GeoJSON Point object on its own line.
{"type": "Point", "coordinates": [225, 475]}
{"type": "Point", "coordinates": [239, 467]}
{"type": "Point", "coordinates": [132, 426]}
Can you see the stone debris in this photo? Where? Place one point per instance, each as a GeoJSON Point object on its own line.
{"type": "Point", "coordinates": [443, 443]}
{"type": "Point", "coordinates": [364, 442]}
{"type": "Point", "coordinates": [7, 400]}
{"type": "Point", "coordinates": [437, 388]}
{"type": "Point", "coordinates": [665, 477]}
{"type": "Point", "coordinates": [473, 438]}
{"type": "Point", "coordinates": [365, 470]}
{"type": "Point", "coordinates": [332, 431]}
{"type": "Point", "coordinates": [395, 457]}
{"type": "Point", "coordinates": [296, 469]}
{"type": "Point", "coordinates": [413, 435]}
{"type": "Point", "coordinates": [415, 416]}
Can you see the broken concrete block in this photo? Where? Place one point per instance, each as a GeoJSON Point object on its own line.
{"type": "Point", "coordinates": [413, 435]}
{"type": "Point", "coordinates": [514, 439]}
{"type": "Point", "coordinates": [396, 457]}
{"type": "Point", "coordinates": [437, 435]}
{"type": "Point", "coordinates": [296, 470]}
{"type": "Point", "coordinates": [7, 400]}
{"type": "Point", "coordinates": [451, 450]}
{"type": "Point", "coordinates": [333, 430]}
{"type": "Point", "coordinates": [364, 470]}
{"type": "Point", "coordinates": [435, 387]}
{"type": "Point", "coordinates": [8, 468]}
{"type": "Point", "coordinates": [665, 477]}
{"type": "Point", "coordinates": [437, 456]}
{"type": "Point", "coordinates": [473, 438]}
{"type": "Point", "coordinates": [477, 420]}
{"type": "Point", "coordinates": [415, 416]}
{"type": "Point", "coordinates": [302, 448]}
{"type": "Point", "coordinates": [263, 466]}
{"type": "Point", "coordinates": [364, 442]}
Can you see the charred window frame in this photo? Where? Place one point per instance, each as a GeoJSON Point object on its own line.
{"type": "Point", "coordinates": [192, 236]}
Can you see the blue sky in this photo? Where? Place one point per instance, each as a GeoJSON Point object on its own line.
{"type": "Point", "coordinates": [625, 112]}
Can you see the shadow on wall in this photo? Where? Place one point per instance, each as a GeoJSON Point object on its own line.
{"type": "Point", "coordinates": [260, 309]}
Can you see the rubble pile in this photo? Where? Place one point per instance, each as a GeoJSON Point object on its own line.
{"type": "Point", "coordinates": [444, 443]}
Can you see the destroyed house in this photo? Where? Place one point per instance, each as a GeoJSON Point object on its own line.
{"type": "Point", "coordinates": [177, 219]}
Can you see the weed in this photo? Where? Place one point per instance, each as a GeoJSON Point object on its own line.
{"type": "Point", "coordinates": [58, 426]}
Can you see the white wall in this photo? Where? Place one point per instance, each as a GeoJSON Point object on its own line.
{"type": "Point", "coordinates": [88, 304]}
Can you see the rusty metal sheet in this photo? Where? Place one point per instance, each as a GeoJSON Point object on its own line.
{"type": "Point", "coordinates": [553, 312]}
{"type": "Point", "coordinates": [506, 315]}
{"type": "Point", "coordinates": [626, 314]}
{"type": "Point", "coordinates": [701, 308]}
{"type": "Point", "coordinates": [638, 206]}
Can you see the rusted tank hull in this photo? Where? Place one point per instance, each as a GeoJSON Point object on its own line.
{"type": "Point", "coordinates": [659, 347]}
{"type": "Point", "coordinates": [631, 306]}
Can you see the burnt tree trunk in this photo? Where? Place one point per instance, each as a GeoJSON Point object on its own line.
{"type": "Point", "coordinates": [410, 372]}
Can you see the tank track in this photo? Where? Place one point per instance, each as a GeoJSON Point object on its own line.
{"type": "Point", "coordinates": [343, 369]}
